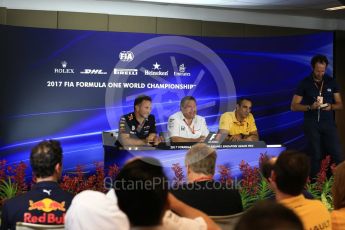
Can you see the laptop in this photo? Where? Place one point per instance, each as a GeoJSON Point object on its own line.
{"type": "Point", "coordinates": [109, 138]}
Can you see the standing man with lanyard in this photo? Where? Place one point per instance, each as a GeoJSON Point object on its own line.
{"type": "Point", "coordinates": [318, 96]}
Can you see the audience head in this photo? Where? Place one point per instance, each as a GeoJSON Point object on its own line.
{"type": "Point", "coordinates": [142, 190]}
{"type": "Point", "coordinates": [201, 159]}
{"type": "Point", "coordinates": [338, 188]}
{"type": "Point", "coordinates": [143, 106]}
{"type": "Point", "coordinates": [95, 210]}
{"type": "Point", "coordinates": [46, 159]}
{"type": "Point", "coordinates": [266, 166]}
{"type": "Point", "coordinates": [188, 107]}
{"type": "Point", "coordinates": [290, 172]}
{"type": "Point", "coordinates": [269, 215]}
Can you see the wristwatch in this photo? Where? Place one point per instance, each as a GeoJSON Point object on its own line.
{"type": "Point", "coordinates": [308, 107]}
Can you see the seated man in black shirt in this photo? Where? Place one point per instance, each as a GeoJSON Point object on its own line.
{"type": "Point", "coordinates": [202, 192]}
{"type": "Point", "coordinates": [46, 203]}
{"type": "Point", "coordinates": [139, 127]}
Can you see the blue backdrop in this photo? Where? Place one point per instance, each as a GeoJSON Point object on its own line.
{"type": "Point", "coordinates": [72, 85]}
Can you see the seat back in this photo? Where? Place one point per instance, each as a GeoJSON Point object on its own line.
{"type": "Point", "coordinates": [30, 226]}
{"type": "Point", "coordinates": [227, 222]}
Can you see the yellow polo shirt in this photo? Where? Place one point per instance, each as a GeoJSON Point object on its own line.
{"type": "Point", "coordinates": [228, 121]}
{"type": "Point", "coordinates": [338, 219]}
{"type": "Point", "coordinates": [313, 214]}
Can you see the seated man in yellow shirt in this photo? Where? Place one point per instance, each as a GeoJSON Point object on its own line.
{"type": "Point", "coordinates": [287, 180]}
{"type": "Point", "coordinates": [239, 124]}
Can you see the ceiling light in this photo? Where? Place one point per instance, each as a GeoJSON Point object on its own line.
{"type": "Point", "coordinates": [335, 8]}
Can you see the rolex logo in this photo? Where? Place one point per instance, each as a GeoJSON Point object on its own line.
{"type": "Point", "coordinates": [64, 64]}
{"type": "Point", "coordinates": [64, 69]}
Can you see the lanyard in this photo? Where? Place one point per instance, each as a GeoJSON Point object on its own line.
{"type": "Point", "coordinates": [320, 90]}
{"type": "Point", "coordinates": [191, 129]}
{"type": "Point", "coordinates": [320, 93]}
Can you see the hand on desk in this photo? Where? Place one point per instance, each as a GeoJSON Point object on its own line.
{"type": "Point", "coordinates": [155, 141]}
{"type": "Point", "coordinates": [201, 139]}
{"type": "Point", "coordinates": [237, 137]}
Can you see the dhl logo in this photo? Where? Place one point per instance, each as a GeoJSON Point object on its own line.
{"type": "Point", "coordinates": [47, 205]}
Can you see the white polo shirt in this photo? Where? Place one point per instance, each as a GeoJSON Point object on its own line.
{"type": "Point", "coordinates": [177, 127]}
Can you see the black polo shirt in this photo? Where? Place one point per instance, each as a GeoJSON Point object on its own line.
{"type": "Point", "coordinates": [309, 90]}
{"type": "Point", "coordinates": [130, 125]}
{"type": "Point", "coordinates": [212, 197]}
{"type": "Point", "coordinates": [45, 203]}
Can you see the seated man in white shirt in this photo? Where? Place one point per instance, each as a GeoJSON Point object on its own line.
{"type": "Point", "coordinates": [185, 125]}
{"type": "Point", "coordinates": [142, 191]}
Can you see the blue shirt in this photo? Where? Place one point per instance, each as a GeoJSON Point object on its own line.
{"type": "Point", "coordinates": [45, 203]}
{"type": "Point", "coordinates": [130, 125]}
{"type": "Point", "coordinates": [309, 90]}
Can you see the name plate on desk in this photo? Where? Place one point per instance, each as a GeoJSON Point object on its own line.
{"type": "Point", "coordinates": [224, 145]}
{"type": "Point", "coordinates": [241, 144]}
{"type": "Point", "coordinates": [137, 148]}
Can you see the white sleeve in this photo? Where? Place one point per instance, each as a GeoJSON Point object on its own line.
{"type": "Point", "coordinates": [173, 127]}
{"type": "Point", "coordinates": [173, 221]}
{"type": "Point", "coordinates": [204, 128]}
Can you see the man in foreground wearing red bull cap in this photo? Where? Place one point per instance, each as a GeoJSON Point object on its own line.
{"type": "Point", "coordinates": [46, 203]}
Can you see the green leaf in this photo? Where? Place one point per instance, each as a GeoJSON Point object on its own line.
{"type": "Point", "coordinates": [247, 199]}
{"type": "Point", "coordinates": [311, 188]}
{"type": "Point", "coordinates": [264, 190]}
{"type": "Point", "coordinates": [325, 201]}
{"type": "Point", "coordinates": [7, 189]}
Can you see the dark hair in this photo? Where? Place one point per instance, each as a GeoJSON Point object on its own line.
{"type": "Point", "coordinates": [269, 215]}
{"type": "Point", "coordinates": [140, 99]}
{"type": "Point", "coordinates": [319, 58]}
{"type": "Point", "coordinates": [44, 157]}
{"type": "Point", "coordinates": [240, 100]}
{"type": "Point", "coordinates": [291, 170]}
{"type": "Point", "coordinates": [185, 99]}
{"type": "Point", "coordinates": [142, 191]}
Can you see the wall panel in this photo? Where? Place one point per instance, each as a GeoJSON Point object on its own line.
{"type": "Point", "coordinates": [31, 18]}
{"type": "Point", "coordinates": [82, 21]}
{"type": "Point", "coordinates": [179, 26]}
{"type": "Point", "coordinates": [222, 29]}
{"type": "Point", "coordinates": [3, 15]}
{"type": "Point", "coordinates": [132, 24]}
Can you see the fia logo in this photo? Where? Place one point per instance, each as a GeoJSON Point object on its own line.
{"type": "Point", "coordinates": [182, 128]}
{"type": "Point", "coordinates": [126, 56]}
{"type": "Point", "coordinates": [133, 127]}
